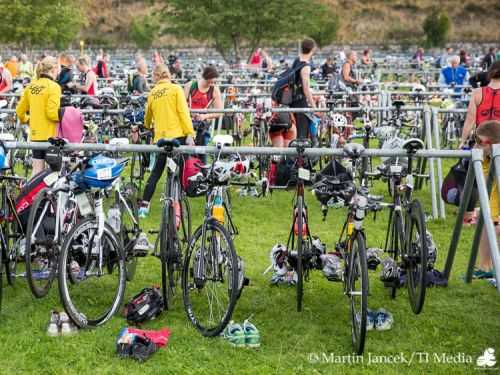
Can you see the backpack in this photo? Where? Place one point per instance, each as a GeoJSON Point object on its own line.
{"type": "Point", "coordinates": [453, 185]}
{"type": "Point", "coordinates": [284, 171]}
{"type": "Point", "coordinates": [145, 305]}
{"type": "Point", "coordinates": [193, 181]}
{"type": "Point", "coordinates": [70, 124]}
{"type": "Point", "coordinates": [286, 90]}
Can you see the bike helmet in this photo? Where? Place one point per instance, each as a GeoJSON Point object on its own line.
{"type": "Point", "coordinates": [339, 120]}
{"type": "Point", "coordinates": [101, 172]}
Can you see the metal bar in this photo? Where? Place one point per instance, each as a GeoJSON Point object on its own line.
{"type": "Point", "coordinates": [486, 213]}
{"type": "Point", "coordinates": [428, 139]}
{"type": "Point", "coordinates": [437, 139]}
{"type": "Point", "coordinates": [457, 229]}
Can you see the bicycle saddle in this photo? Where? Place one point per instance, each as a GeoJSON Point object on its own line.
{"type": "Point", "coordinates": [398, 104]}
{"type": "Point", "coordinates": [353, 150]}
{"type": "Point", "coordinates": [57, 142]}
{"type": "Point", "coordinates": [300, 143]}
{"type": "Point", "coordinates": [412, 145]}
{"type": "Point", "coordinates": [168, 143]}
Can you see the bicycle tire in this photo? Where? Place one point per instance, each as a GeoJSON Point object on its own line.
{"type": "Point", "coordinates": [40, 281]}
{"type": "Point", "coordinates": [212, 230]}
{"type": "Point", "coordinates": [357, 261]}
{"type": "Point", "coordinates": [300, 239]}
{"type": "Point", "coordinates": [74, 251]}
{"type": "Point", "coordinates": [416, 257]}
{"type": "Point", "coordinates": [12, 253]}
{"type": "Point", "coordinates": [395, 241]}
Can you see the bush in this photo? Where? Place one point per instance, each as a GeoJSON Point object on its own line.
{"type": "Point", "coordinates": [436, 28]}
{"type": "Point", "coordinates": [403, 36]}
{"type": "Point", "coordinates": [144, 31]}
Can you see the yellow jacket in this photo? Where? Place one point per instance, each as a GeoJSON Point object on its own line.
{"type": "Point", "coordinates": [41, 98]}
{"type": "Point", "coordinates": [167, 108]}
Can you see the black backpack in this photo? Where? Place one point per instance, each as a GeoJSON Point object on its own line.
{"type": "Point", "coordinates": [145, 305]}
{"type": "Point", "coordinates": [284, 172]}
{"type": "Point", "coordinates": [287, 88]}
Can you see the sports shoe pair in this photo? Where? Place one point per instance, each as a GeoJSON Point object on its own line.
{"type": "Point", "coordinates": [60, 325]}
{"type": "Point", "coordinates": [250, 190]}
{"type": "Point", "coordinates": [380, 320]}
{"type": "Point", "coordinates": [246, 335]}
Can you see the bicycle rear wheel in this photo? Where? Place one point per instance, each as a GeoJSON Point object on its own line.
{"type": "Point", "coordinates": [394, 244]}
{"type": "Point", "coordinates": [41, 250]}
{"type": "Point", "coordinates": [94, 291]}
{"type": "Point", "coordinates": [416, 256]}
{"type": "Point", "coordinates": [300, 251]}
{"type": "Point", "coordinates": [12, 239]}
{"type": "Point", "coordinates": [356, 288]}
{"type": "Point", "coordinates": [210, 279]}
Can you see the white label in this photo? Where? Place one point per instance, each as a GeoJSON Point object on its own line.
{"type": "Point", "coordinates": [83, 204]}
{"type": "Point", "coordinates": [51, 179]}
{"type": "Point", "coordinates": [396, 168]}
{"type": "Point", "coordinates": [143, 309]}
{"type": "Point", "coordinates": [172, 165]}
{"type": "Point", "coordinates": [304, 174]}
{"type": "Point", "coordinates": [104, 174]}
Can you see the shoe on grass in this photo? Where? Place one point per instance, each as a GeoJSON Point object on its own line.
{"type": "Point", "coordinates": [481, 274]}
{"type": "Point", "coordinates": [252, 335]}
{"type": "Point", "coordinates": [370, 320]}
{"type": "Point", "coordinates": [234, 334]}
{"type": "Point", "coordinates": [383, 320]}
{"type": "Point", "coordinates": [67, 326]}
{"type": "Point", "coordinates": [143, 212]}
{"type": "Point", "coordinates": [53, 327]}
{"type": "Point", "coordinates": [142, 245]}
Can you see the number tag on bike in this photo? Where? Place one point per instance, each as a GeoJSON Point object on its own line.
{"type": "Point", "coordinates": [83, 204]}
{"type": "Point", "coordinates": [51, 179]}
{"type": "Point", "coordinates": [104, 174]}
{"type": "Point", "coordinates": [396, 169]}
{"type": "Point", "coordinates": [172, 165]}
{"type": "Point", "coordinates": [304, 174]}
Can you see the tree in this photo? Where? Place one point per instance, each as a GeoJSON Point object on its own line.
{"type": "Point", "coordinates": [436, 28]}
{"type": "Point", "coordinates": [231, 25]}
{"type": "Point", "coordinates": [144, 31]}
{"type": "Point", "coordinates": [40, 23]}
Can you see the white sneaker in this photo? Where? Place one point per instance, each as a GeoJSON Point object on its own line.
{"type": "Point", "coordinates": [67, 326]}
{"type": "Point", "coordinates": [53, 327]}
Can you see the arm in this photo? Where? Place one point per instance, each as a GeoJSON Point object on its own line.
{"type": "Point", "coordinates": [23, 107]}
{"type": "Point", "coordinates": [304, 75]}
{"type": "Point", "coordinates": [184, 116]}
{"type": "Point", "coordinates": [8, 80]}
{"type": "Point", "coordinates": [54, 103]}
{"type": "Point", "coordinates": [148, 117]}
{"type": "Point", "coordinates": [470, 119]}
{"type": "Point", "coordinates": [187, 88]}
{"type": "Point", "coordinates": [218, 104]}
{"type": "Point", "coordinates": [88, 82]}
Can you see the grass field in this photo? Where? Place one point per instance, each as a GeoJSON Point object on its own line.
{"type": "Point", "coordinates": [458, 319]}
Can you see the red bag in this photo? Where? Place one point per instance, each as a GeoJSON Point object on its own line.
{"type": "Point", "coordinates": [191, 168]}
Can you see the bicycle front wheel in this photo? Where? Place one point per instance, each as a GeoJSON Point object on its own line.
{"type": "Point", "coordinates": [300, 251]}
{"type": "Point", "coordinates": [356, 287]}
{"type": "Point", "coordinates": [210, 279]}
{"type": "Point", "coordinates": [416, 257]}
{"type": "Point", "coordinates": [96, 271]}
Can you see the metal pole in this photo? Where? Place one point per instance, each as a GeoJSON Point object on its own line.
{"type": "Point", "coordinates": [428, 138]}
{"type": "Point", "coordinates": [437, 140]}
{"type": "Point", "coordinates": [457, 229]}
{"type": "Point", "coordinates": [477, 157]}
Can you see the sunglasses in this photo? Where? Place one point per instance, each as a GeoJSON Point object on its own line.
{"type": "Point", "coordinates": [480, 142]}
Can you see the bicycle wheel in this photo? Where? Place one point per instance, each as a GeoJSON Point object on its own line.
{"type": "Point", "coordinates": [300, 251]}
{"type": "Point", "coordinates": [12, 239]}
{"type": "Point", "coordinates": [416, 256]}
{"type": "Point", "coordinates": [128, 233]}
{"type": "Point", "coordinates": [41, 251]}
{"type": "Point", "coordinates": [394, 243]}
{"type": "Point", "coordinates": [167, 253]}
{"type": "Point", "coordinates": [100, 282]}
{"type": "Point", "coordinates": [210, 279]}
{"type": "Point", "coordinates": [356, 288]}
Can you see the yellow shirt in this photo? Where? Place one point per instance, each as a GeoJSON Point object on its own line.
{"type": "Point", "coordinates": [167, 108]}
{"type": "Point", "coordinates": [41, 98]}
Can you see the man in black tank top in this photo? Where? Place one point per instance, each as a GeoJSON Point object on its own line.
{"type": "Point", "coordinates": [304, 98]}
{"type": "Point", "coordinates": [348, 74]}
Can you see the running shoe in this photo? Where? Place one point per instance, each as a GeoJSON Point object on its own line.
{"type": "Point", "coordinates": [383, 320]}
{"type": "Point", "coordinates": [234, 334]}
{"type": "Point", "coordinates": [252, 335]}
{"type": "Point", "coordinates": [66, 325]}
{"type": "Point", "coordinates": [53, 327]}
{"type": "Point", "coordinates": [143, 212]}
{"type": "Point", "coordinates": [390, 271]}
{"type": "Point", "coordinates": [142, 245]}
{"type": "Point", "coordinates": [481, 274]}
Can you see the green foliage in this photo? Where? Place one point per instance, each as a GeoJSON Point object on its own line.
{"type": "Point", "coordinates": [40, 23]}
{"type": "Point", "coordinates": [143, 31]}
{"type": "Point", "coordinates": [436, 28]}
{"type": "Point", "coordinates": [403, 36]}
{"type": "Point", "coordinates": [231, 25]}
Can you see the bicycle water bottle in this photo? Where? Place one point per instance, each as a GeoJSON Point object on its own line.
{"type": "Point", "coordinates": [218, 210]}
{"type": "Point", "coordinates": [296, 225]}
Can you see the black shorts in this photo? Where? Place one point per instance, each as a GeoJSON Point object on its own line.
{"type": "Point", "coordinates": [39, 154]}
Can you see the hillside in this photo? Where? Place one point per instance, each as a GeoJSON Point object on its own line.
{"type": "Point", "coordinates": [374, 21]}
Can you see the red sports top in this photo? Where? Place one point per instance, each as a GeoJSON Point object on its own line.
{"type": "Point", "coordinates": [489, 108]}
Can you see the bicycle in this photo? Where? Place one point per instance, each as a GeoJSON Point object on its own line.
{"type": "Point", "coordinates": [406, 236]}
{"type": "Point", "coordinates": [212, 278]}
{"type": "Point", "coordinates": [175, 228]}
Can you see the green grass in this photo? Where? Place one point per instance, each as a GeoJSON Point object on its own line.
{"type": "Point", "coordinates": [458, 319]}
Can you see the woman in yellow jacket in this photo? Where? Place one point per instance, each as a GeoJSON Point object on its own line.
{"type": "Point", "coordinates": [39, 107]}
{"type": "Point", "coordinates": [168, 115]}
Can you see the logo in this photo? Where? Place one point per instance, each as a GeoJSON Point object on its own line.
{"type": "Point", "coordinates": [487, 359]}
